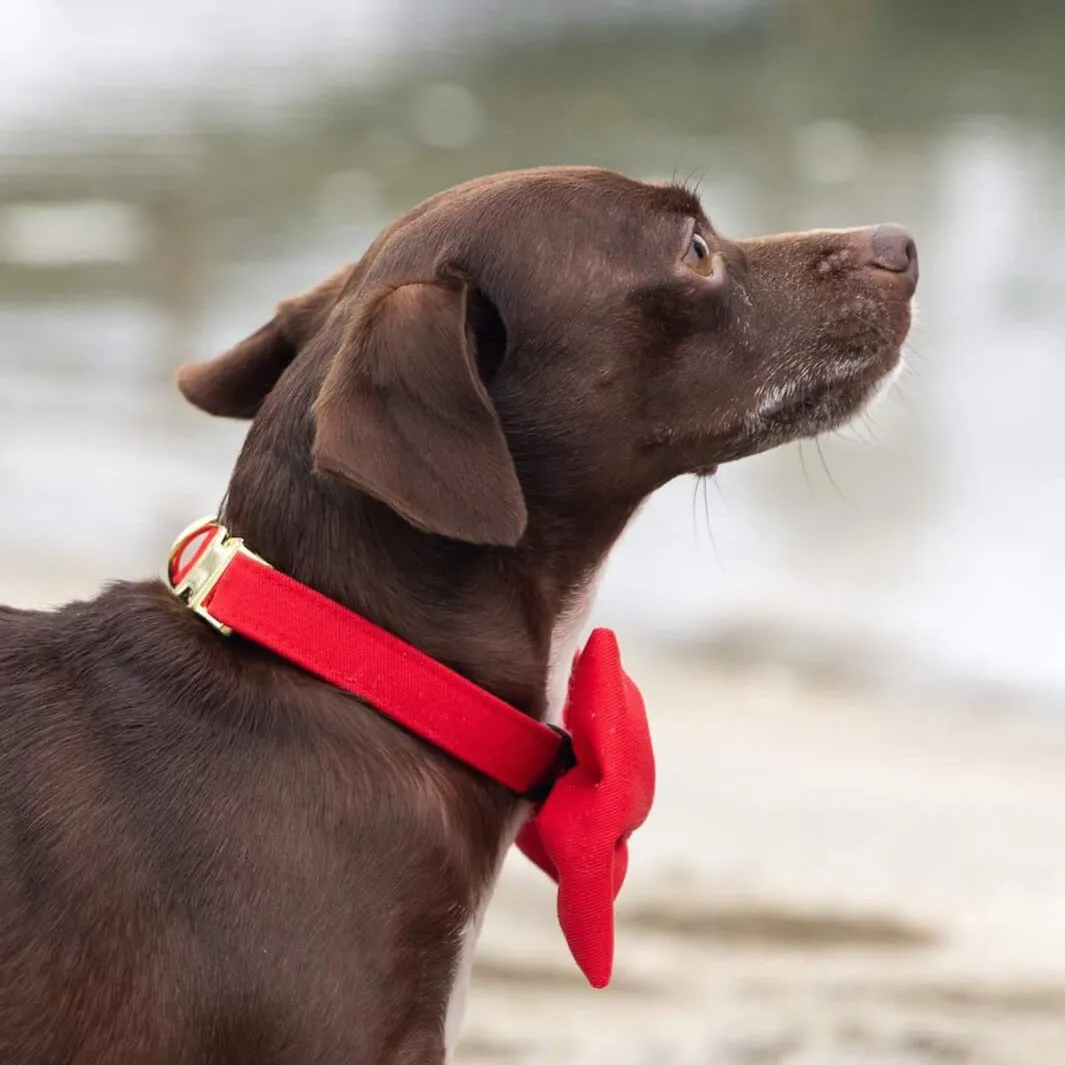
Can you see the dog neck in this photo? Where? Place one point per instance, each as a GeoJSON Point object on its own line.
{"type": "Point", "coordinates": [508, 619]}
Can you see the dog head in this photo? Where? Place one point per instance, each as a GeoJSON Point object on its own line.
{"type": "Point", "coordinates": [543, 343]}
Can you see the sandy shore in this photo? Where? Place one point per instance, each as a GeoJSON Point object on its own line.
{"type": "Point", "coordinates": [827, 878]}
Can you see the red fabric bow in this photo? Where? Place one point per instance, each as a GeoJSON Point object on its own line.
{"type": "Point", "coordinates": [579, 833]}
{"type": "Point", "coordinates": [579, 836]}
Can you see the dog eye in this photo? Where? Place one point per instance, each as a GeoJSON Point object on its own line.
{"type": "Point", "coordinates": [698, 257]}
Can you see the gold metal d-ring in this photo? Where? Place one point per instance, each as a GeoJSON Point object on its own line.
{"type": "Point", "coordinates": [211, 560]}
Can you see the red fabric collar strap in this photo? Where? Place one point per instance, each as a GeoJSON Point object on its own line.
{"type": "Point", "coordinates": [593, 782]}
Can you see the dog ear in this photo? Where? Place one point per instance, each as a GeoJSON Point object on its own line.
{"type": "Point", "coordinates": [404, 416]}
{"type": "Point", "coordinates": [235, 384]}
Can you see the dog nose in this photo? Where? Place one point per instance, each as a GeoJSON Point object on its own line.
{"type": "Point", "coordinates": [892, 248]}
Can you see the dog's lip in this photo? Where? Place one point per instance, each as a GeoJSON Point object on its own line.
{"type": "Point", "coordinates": [849, 381]}
{"type": "Point", "coordinates": [840, 378]}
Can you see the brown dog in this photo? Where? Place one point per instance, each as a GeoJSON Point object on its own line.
{"type": "Point", "coordinates": [208, 856]}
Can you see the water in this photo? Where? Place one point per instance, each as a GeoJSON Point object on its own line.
{"type": "Point", "coordinates": [195, 167]}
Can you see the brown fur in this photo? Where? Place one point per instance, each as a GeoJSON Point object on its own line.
{"type": "Point", "coordinates": [207, 856]}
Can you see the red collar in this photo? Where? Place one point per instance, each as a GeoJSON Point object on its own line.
{"type": "Point", "coordinates": [593, 782]}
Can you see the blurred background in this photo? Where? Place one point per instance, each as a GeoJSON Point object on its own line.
{"type": "Point", "coordinates": [853, 651]}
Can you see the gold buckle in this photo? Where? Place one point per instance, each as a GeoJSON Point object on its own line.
{"type": "Point", "coordinates": [214, 559]}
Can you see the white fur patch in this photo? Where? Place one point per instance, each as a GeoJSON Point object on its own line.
{"type": "Point", "coordinates": [456, 1004]}
{"type": "Point", "coordinates": [775, 398]}
{"type": "Point", "coordinates": [460, 989]}
{"type": "Point", "coordinates": [566, 638]}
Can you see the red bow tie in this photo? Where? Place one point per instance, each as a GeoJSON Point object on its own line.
{"type": "Point", "coordinates": [580, 834]}
{"type": "Point", "coordinates": [593, 782]}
